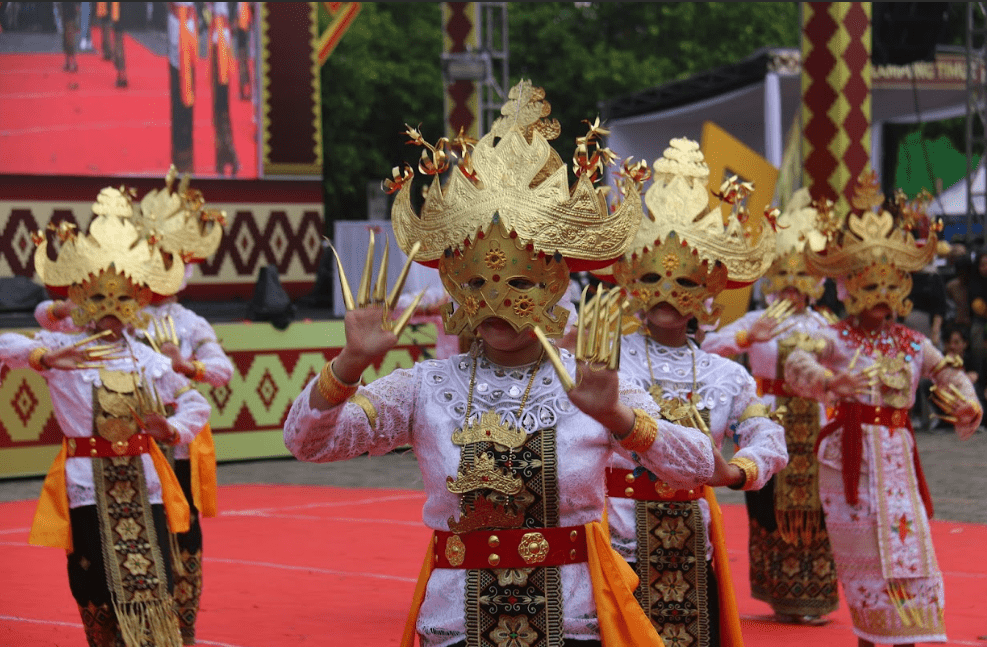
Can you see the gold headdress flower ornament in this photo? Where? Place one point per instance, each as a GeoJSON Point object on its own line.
{"type": "Point", "coordinates": [507, 218]}
{"type": "Point", "coordinates": [873, 250]}
{"type": "Point", "coordinates": [112, 270]}
{"type": "Point", "coordinates": [177, 220]}
{"type": "Point", "coordinates": [797, 228]}
{"type": "Point", "coordinates": [684, 253]}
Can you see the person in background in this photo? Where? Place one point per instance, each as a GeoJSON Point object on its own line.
{"type": "Point", "coordinates": [191, 232]}
{"type": "Point", "coordinates": [791, 562]}
{"type": "Point", "coordinates": [867, 367]}
{"type": "Point", "coordinates": [682, 258]}
{"type": "Point", "coordinates": [68, 14]}
{"type": "Point", "coordinates": [110, 497]}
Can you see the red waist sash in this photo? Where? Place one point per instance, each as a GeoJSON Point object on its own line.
{"type": "Point", "coordinates": [772, 386]}
{"type": "Point", "coordinates": [98, 447]}
{"type": "Point", "coordinates": [850, 416]}
{"type": "Point", "coordinates": [511, 548]}
{"type": "Point", "coordinates": [624, 484]}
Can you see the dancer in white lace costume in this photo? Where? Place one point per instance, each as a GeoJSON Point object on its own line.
{"type": "Point", "coordinates": [791, 562]}
{"type": "Point", "coordinates": [506, 455]}
{"type": "Point", "coordinates": [873, 492]}
{"type": "Point", "coordinates": [673, 537]}
{"type": "Point", "coordinates": [110, 497]}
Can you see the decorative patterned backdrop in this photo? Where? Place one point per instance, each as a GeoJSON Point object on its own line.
{"type": "Point", "coordinates": [268, 222]}
{"type": "Point", "coordinates": [836, 97]}
{"type": "Point", "coordinates": [271, 367]}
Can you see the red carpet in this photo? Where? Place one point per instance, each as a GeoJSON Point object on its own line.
{"type": "Point", "coordinates": [61, 123]}
{"type": "Point", "coordinates": [292, 565]}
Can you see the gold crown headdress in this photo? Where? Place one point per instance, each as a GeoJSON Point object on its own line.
{"type": "Point", "coordinates": [178, 222]}
{"type": "Point", "coordinates": [875, 230]}
{"type": "Point", "coordinates": [796, 228]}
{"type": "Point", "coordinates": [684, 253]}
{"type": "Point", "coordinates": [874, 248]}
{"type": "Point", "coordinates": [112, 260]}
{"type": "Point", "coordinates": [506, 229]}
{"type": "Point", "coordinates": [514, 172]}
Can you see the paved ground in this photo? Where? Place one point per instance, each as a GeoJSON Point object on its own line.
{"type": "Point", "coordinates": [956, 471]}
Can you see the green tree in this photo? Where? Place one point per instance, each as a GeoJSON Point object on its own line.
{"type": "Point", "coordinates": [384, 73]}
{"type": "Point", "coordinates": [386, 70]}
{"type": "Point", "coordinates": [586, 53]}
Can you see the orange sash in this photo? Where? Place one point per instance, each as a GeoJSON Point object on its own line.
{"type": "Point", "coordinates": [730, 635]}
{"type": "Point", "coordinates": [622, 620]}
{"type": "Point", "coordinates": [202, 460]}
{"type": "Point", "coordinates": [51, 525]}
{"type": "Point", "coordinates": [224, 52]}
{"type": "Point", "coordinates": [188, 46]}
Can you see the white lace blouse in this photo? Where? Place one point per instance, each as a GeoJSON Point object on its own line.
{"type": "Point", "coordinates": [423, 406]}
{"type": "Point", "coordinates": [725, 390]}
{"type": "Point", "coordinates": [72, 401]}
{"type": "Point", "coordinates": [197, 337]}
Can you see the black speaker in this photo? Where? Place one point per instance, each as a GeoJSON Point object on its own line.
{"type": "Point", "coordinates": [20, 294]}
{"type": "Point", "coordinates": [271, 302]}
{"type": "Point", "coordinates": [906, 32]}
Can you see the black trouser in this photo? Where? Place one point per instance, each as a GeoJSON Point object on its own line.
{"type": "Point", "coordinates": [87, 570]}
{"type": "Point", "coordinates": [181, 125]}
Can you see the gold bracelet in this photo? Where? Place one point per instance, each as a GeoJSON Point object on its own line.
{"type": "Point", "coordinates": [50, 312]}
{"type": "Point", "coordinates": [748, 468]}
{"type": "Point", "coordinates": [742, 338]}
{"type": "Point", "coordinates": [948, 361]}
{"type": "Point", "coordinates": [35, 359]}
{"type": "Point", "coordinates": [200, 370]}
{"type": "Point", "coordinates": [754, 410]}
{"type": "Point", "coordinates": [332, 388]}
{"type": "Point", "coordinates": [643, 434]}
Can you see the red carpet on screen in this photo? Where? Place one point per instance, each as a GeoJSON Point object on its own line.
{"type": "Point", "coordinates": [64, 123]}
{"type": "Point", "coordinates": [321, 566]}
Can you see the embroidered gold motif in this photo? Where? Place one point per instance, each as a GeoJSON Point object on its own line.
{"type": "Point", "coordinates": [533, 548]}
{"type": "Point", "coordinates": [514, 631]}
{"type": "Point", "coordinates": [484, 514]}
{"type": "Point", "coordinates": [513, 576]}
{"type": "Point", "coordinates": [490, 428]}
{"type": "Point", "coordinates": [455, 550]}
{"type": "Point", "coordinates": [484, 475]}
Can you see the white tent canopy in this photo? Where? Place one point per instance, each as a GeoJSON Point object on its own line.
{"type": "Point", "coordinates": [758, 99]}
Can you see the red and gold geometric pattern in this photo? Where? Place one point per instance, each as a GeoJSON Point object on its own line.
{"type": "Point", "coordinates": [259, 232]}
{"type": "Point", "coordinates": [836, 97]}
{"type": "Point", "coordinates": [270, 368]}
{"type": "Point", "coordinates": [459, 35]}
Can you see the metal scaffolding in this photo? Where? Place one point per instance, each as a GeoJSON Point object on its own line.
{"type": "Point", "coordinates": [976, 87]}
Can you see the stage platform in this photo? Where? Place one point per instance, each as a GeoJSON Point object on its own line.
{"type": "Point", "coordinates": [328, 566]}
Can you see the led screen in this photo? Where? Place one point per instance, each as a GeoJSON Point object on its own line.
{"type": "Point", "coordinates": [122, 89]}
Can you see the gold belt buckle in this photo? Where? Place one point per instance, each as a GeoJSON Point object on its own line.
{"type": "Point", "coordinates": [533, 548]}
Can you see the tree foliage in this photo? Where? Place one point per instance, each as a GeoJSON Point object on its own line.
{"type": "Point", "coordinates": [386, 70]}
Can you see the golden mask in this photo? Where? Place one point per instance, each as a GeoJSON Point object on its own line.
{"type": "Point", "coordinates": [673, 273]}
{"type": "Point", "coordinates": [109, 294]}
{"type": "Point", "coordinates": [879, 283]}
{"type": "Point", "coordinates": [790, 271]}
{"type": "Point", "coordinates": [497, 275]}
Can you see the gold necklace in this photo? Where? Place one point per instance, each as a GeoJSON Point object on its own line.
{"type": "Point", "coordinates": [490, 428]}
{"type": "Point", "coordinates": [674, 409]}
